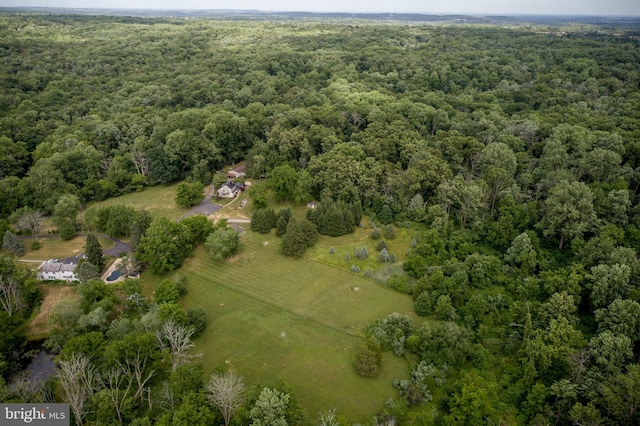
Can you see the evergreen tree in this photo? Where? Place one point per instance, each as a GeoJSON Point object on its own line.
{"type": "Point", "coordinates": [381, 245]}
{"type": "Point", "coordinates": [389, 232]}
{"type": "Point", "coordinates": [11, 243]}
{"type": "Point", "coordinates": [386, 215]}
{"type": "Point", "coordinates": [93, 250]}
{"type": "Point", "coordinates": [263, 221]}
{"type": "Point", "coordinates": [356, 210]}
{"type": "Point", "coordinates": [333, 218]}
{"type": "Point", "coordinates": [283, 220]}
{"type": "Point", "coordinates": [300, 235]}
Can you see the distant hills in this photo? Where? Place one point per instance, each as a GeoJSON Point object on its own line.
{"type": "Point", "coordinates": [625, 21]}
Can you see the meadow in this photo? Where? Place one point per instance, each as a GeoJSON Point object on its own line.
{"type": "Point", "coordinates": [271, 318]}
{"type": "Point", "coordinates": [158, 200]}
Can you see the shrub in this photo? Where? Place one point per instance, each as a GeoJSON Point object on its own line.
{"type": "Point", "coordinates": [66, 230]}
{"type": "Point", "coordinates": [422, 304]}
{"type": "Point", "coordinates": [197, 318]}
{"type": "Point", "coordinates": [381, 245]}
{"type": "Point", "coordinates": [347, 257]}
{"type": "Point", "coordinates": [384, 255]}
{"type": "Point", "coordinates": [367, 360]}
{"type": "Point", "coordinates": [11, 243]}
{"type": "Point", "coordinates": [332, 250]}
{"type": "Point", "coordinates": [355, 269]}
{"type": "Point", "coordinates": [35, 245]}
{"type": "Point", "coordinates": [389, 232]}
{"type": "Point", "coordinates": [167, 292]}
{"type": "Point", "coordinates": [362, 253]}
{"type": "Point", "coordinates": [375, 234]}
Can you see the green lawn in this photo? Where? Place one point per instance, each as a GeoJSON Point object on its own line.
{"type": "Point", "coordinates": [57, 248]}
{"type": "Point", "coordinates": [158, 200]}
{"type": "Point", "coordinates": [301, 321]}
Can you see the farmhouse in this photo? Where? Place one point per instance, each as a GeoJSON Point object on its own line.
{"type": "Point", "coordinates": [228, 190]}
{"type": "Point", "coordinates": [57, 271]}
{"type": "Point", "coordinates": [237, 172]}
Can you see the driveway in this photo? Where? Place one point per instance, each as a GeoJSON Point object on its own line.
{"type": "Point", "coordinates": [205, 207]}
{"type": "Point", "coordinates": [119, 247]}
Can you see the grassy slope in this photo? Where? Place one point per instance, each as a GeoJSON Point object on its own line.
{"type": "Point", "coordinates": [256, 296]}
{"type": "Point", "coordinates": [158, 200]}
{"type": "Point", "coordinates": [57, 248]}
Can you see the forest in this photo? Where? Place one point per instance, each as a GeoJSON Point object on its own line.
{"type": "Point", "coordinates": [510, 152]}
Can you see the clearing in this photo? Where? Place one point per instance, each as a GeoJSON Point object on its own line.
{"type": "Point", "coordinates": [272, 318]}
{"type": "Point", "coordinates": [52, 294]}
{"type": "Point", "coordinates": [158, 200]}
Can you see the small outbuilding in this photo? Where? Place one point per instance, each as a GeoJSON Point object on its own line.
{"type": "Point", "coordinates": [236, 172]}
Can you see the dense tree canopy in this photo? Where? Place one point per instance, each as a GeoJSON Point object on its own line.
{"type": "Point", "coordinates": [511, 155]}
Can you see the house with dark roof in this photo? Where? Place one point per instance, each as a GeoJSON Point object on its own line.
{"type": "Point", "coordinates": [53, 270]}
{"type": "Point", "coordinates": [228, 190]}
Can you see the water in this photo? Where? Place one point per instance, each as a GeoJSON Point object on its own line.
{"type": "Point", "coordinates": [114, 275]}
{"type": "Point", "coordinates": [41, 367]}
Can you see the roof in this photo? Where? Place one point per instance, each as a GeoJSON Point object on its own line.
{"type": "Point", "coordinates": [237, 172]}
{"type": "Point", "coordinates": [231, 185]}
{"type": "Point", "coordinates": [58, 267]}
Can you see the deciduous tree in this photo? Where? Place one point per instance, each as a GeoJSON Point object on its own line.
{"type": "Point", "coordinates": [225, 391]}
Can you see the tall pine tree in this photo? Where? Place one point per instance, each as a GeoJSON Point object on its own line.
{"type": "Point", "coordinates": [93, 251]}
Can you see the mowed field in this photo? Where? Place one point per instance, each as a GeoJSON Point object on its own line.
{"type": "Point", "coordinates": [271, 318]}
{"type": "Point", "coordinates": [158, 200]}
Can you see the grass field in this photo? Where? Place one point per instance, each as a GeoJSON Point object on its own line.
{"type": "Point", "coordinates": [158, 200]}
{"type": "Point", "coordinates": [57, 248]}
{"type": "Point", "coordinates": [301, 321]}
{"type": "Point", "coordinates": [52, 294]}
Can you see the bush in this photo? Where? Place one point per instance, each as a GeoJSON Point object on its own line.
{"type": "Point", "coordinates": [35, 245]}
{"type": "Point", "coordinates": [400, 284]}
{"type": "Point", "coordinates": [66, 230]}
{"type": "Point", "coordinates": [362, 253]}
{"type": "Point", "coordinates": [347, 257]}
{"type": "Point", "coordinates": [197, 318]}
{"type": "Point", "coordinates": [422, 304]}
{"type": "Point", "coordinates": [375, 234]}
{"type": "Point", "coordinates": [384, 256]}
{"type": "Point", "coordinates": [332, 250]}
{"type": "Point", "coordinates": [381, 245]}
{"type": "Point", "coordinates": [389, 232]}
{"type": "Point", "coordinates": [355, 269]}
{"type": "Point", "coordinates": [367, 360]}
{"type": "Point", "coordinates": [11, 243]}
{"type": "Point", "coordinates": [167, 292]}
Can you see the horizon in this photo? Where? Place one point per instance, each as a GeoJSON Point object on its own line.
{"type": "Point", "coordinates": [315, 12]}
{"type": "Point", "coordinates": [617, 8]}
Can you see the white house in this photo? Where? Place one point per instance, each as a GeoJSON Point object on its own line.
{"type": "Point", "coordinates": [228, 190]}
{"type": "Point", "coordinates": [57, 271]}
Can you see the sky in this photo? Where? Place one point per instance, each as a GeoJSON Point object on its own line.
{"type": "Point", "coordinates": [550, 7]}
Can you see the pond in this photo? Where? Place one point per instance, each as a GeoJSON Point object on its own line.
{"type": "Point", "coordinates": [114, 275]}
{"type": "Point", "coordinates": [41, 366]}
{"type": "Point", "coordinates": [37, 361]}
